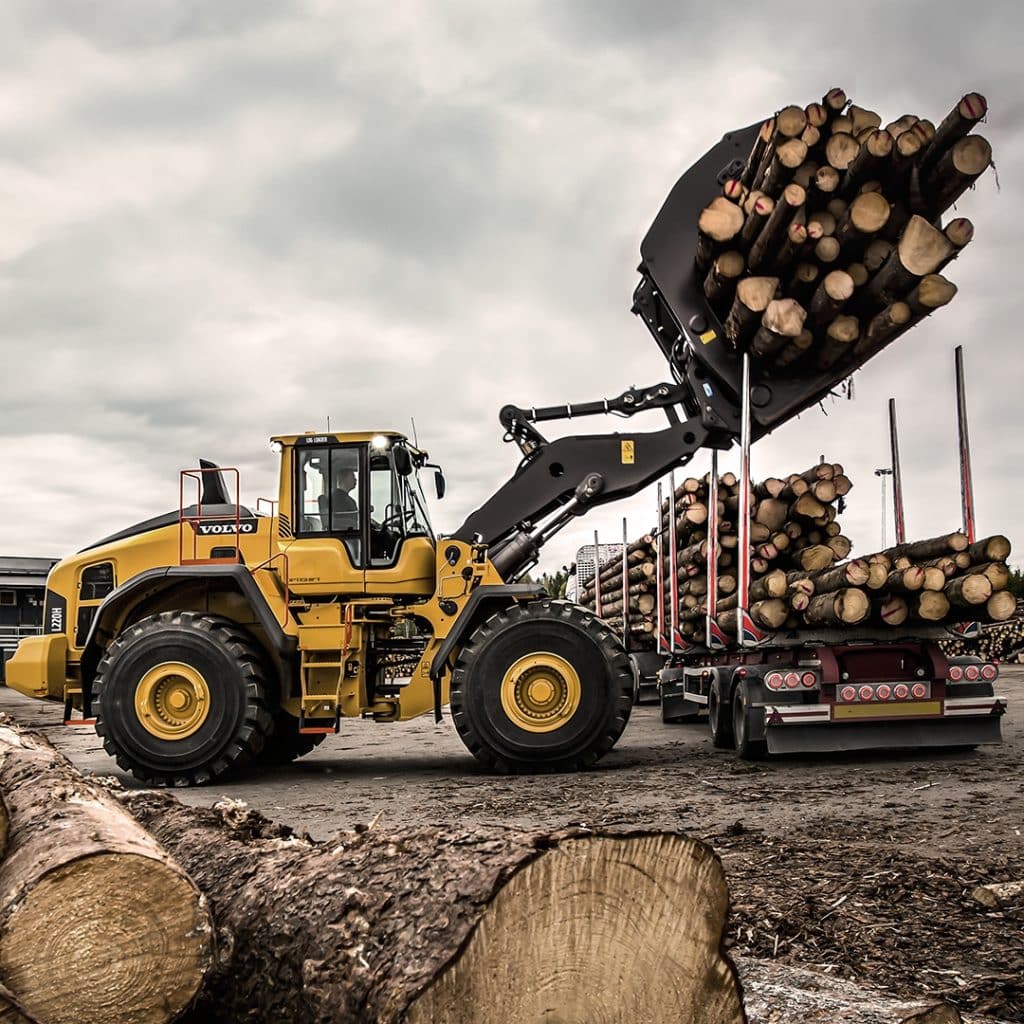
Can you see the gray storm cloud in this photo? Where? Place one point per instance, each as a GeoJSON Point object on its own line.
{"type": "Point", "coordinates": [224, 221]}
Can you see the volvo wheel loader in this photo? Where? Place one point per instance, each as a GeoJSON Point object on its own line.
{"type": "Point", "coordinates": [216, 635]}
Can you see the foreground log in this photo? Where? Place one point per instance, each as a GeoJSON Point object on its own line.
{"type": "Point", "coordinates": [775, 991]}
{"type": "Point", "coordinates": [97, 922]}
{"type": "Point", "coordinates": [427, 925]}
{"type": "Point", "coordinates": [843, 607]}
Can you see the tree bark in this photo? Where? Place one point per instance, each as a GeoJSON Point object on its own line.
{"type": "Point", "coordinates": [752, 297]}
{"type": "Point", "coordinates": [933, 547]}
{"type": "Point", "coordinates": [870, 162]}
{"type": "Point", "coordinates": [932, 292]}
{"type": "Point", "coordinates": [967, 591]}
{"type": "Point", "coordinates": [782, 321]}
{"type": "Point", "coordinates": [971, 109]}
{"type": "Point", "coordinates": [720, 222]}
{"type": "Point", "coordinates": [832, 294]}
{"type": "Point", "coordinates": [840, 338]}
{"type": "Point", "coordinates": [922, 248]}
{"type": "Point", "coordinates": [720, 284]}
{"type": "Point", "coordinates": [770, 239]}
{"type": "Point", "coordinates": [883, 328]}
{"type": "Point", "coordinates": [990, 549]}
{"type": "Point", "coordinates": [844, 607]}
{"type": "Point", "coordinates": [427, 925]}
{"type": "Point", "coordinates": [97, 922]}
{"type": "Point", "coordinates": [956, 171]}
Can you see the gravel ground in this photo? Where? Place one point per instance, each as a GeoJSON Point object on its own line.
{"type": "Point", "coordinates": [861, 865]}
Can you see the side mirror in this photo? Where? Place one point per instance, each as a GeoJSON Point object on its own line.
{"type": "Point", "coordinates": [402, 459]}
{"type": "Point", "coordinates": [439, 484]}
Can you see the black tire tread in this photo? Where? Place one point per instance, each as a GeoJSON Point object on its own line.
{"type": "Point", "coordinates": [246, 745]}
{"type": "Point", "coordinates": [571, 614]}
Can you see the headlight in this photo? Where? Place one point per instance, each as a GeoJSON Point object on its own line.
{"type": "Point", "coordinates": [380, 443]}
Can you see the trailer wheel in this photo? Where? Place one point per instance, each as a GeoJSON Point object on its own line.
{"type": "Point", "coordinates": [748, 749]}
{"type": "Point", "coordinates": [720, 723]}
{"type": "Point", "coordinates": [541, 687]}
{"type": "Point", "coordinates": [181, 699]}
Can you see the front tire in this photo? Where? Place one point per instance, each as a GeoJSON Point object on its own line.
{"type": "Point", "coordinates": [181, 699]}
{"type": "Point", "coordinates": [541, 687]}
{"type": "Point", "coordinates": [286, 744]}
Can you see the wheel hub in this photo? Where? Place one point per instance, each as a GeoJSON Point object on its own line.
{"type": "Point", "coordinates": [540, 692]}
{"type": "Point", "coordinates": [172, 700]}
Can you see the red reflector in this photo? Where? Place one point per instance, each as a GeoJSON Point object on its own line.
{"type": "Point", "coordinates": [866, 693]}
{"type": "Point", "coordinates": [792, 680]}
{"type": "Point", "coordinates": [989, 672]}
{"type": "Point", "coordinates": [849, 693]}
{"type": "Point", "coordinates": [956, 673]}
{"type": "Point", "coordinates": [902, 691]}
{"type": "Point", "coordinates": [773, 680]}
{"type": "Point", "coordinates": [919, 690]}
{"type": "Point", "coordinates": [883, 692]}
{"type": "Point", "coordinates": [972, 673]}
{"type": "Point", "coordinates": [808, 679]}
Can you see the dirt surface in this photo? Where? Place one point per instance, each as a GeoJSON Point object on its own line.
{"type": "Point", "coordinates": [860, 865]}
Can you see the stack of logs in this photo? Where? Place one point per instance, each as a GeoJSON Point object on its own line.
{"type": "Point", "coordinates": [1000, 641]}
{"type": "Point", "coordinates": [799, 578]}
{"type": "Point", "coordinates": [829, 243]}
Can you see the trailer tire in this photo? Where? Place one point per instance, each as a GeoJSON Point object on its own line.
{"type": "Point", "coordinates": [719, 723]}
{"type": "Point", "coordinates": [747, 748]}
{"type": "Point", "coordinates": [541, 687]}
{"type": "Point", "coordinates": [181, 698]}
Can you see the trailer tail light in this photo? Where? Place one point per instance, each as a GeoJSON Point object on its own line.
{"type": "Point", "coordinates": [809, 679]}
{"type": "Point", "coordinates": [919, 690]}
{"type": "Point", "coordinates": [989, 672]}
{"type": "Point", "coordinates": [866, 693]}
{"type": "Point", "coordinates": [792, 680]}
{"type": "Point", "coordinates": [972, 673]}
{"type": "Point", "coordinates": [849, 693]}
{"type": "Point", "coordinates": [901, 691]}
{"type": "Point", "coordinates": [773, 680]}
{"type": "Point", "coordinates": [956, 673]}
{"type": "Point", "coordinates": [883, 692]}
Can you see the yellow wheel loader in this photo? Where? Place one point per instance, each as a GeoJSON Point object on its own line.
{"type": "Point", "coordinates": [218, 635]}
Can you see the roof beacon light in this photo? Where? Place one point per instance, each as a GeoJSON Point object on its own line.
{"type": "Point", "coordinates": [380, 443]}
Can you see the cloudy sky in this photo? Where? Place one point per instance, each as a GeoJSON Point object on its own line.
{"type": "Point", "coordinates": [224, 219]}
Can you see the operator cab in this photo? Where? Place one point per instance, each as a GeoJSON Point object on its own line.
{"type": "Point", "coordinates": [363, 490]}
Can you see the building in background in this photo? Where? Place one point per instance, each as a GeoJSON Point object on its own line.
{"type": "Point", "coordinates": [585, 566]}
{"type": "Point", "coordinates": [22, 590]}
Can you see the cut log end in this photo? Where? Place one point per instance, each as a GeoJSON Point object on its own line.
{"type": "Point", "coordinates": [132, 914]}
{"type": "Point", "coordinates": [599, 926]}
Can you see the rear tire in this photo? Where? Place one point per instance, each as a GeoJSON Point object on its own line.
{"type": "Point", "coordinates": [181, 699]}
{"type": "Point", "coordinates": [541, 687]}
{"type": "Point", "coordinates": [747, 748]}
{"type": "Point", "coordinates": [719, 723]}
{"type": "Point", "coordinates": [286, 744]}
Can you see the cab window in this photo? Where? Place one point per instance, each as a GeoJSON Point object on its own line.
{"type": "Point", "coordinates": [329, 488]}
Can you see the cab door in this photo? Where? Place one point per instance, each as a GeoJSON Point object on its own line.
{"type": "Point", "coordinates": [329, 485]}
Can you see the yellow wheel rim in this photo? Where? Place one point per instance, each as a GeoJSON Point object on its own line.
{"type": "Point", "coordinates": [172, 700]}
{"type": "Point", "coordinates": [541, 692]}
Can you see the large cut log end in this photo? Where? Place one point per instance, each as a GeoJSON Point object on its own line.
{"type": "Point", "coordinates": [111, 937]}
{"type": "Point", "coordinates": [598, 928]}
{"type": "Point", "coordinates": [97, 922]}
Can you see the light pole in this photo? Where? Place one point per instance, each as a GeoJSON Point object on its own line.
{"type": "Point", "coordinates": [882, 474]}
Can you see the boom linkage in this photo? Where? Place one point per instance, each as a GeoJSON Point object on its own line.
{"type": "Point", "coordinates": [561, 479]}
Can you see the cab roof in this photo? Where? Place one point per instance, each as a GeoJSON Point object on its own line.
{"type": "Point", "coordinates": [336, 437]}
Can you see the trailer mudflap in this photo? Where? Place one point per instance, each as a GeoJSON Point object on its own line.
{"type": "Point", "coordinates": [817, 738]}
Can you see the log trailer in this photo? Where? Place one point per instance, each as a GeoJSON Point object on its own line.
{"type": "Point", "coordinates": [216, 635]}
{"type": "Point", "coordinates": [818, 690]}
